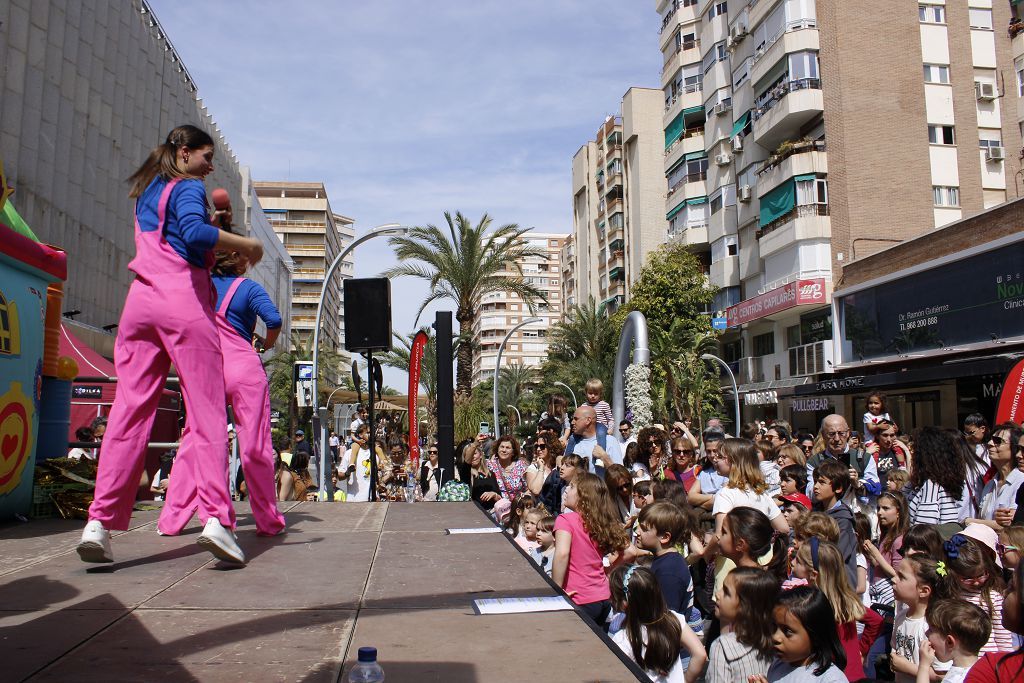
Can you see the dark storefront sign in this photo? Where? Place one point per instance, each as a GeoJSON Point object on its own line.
{"type": "Point", "coordinates": [832, 386]}
{"type": "Point", "coordinates": [816, 327]}
{"type": "Point", "coordinates": [86, 392]}
{"type": "Point", "coordinates": [972, 300]}
{"type": "Point", "coordinates": [811, 405]}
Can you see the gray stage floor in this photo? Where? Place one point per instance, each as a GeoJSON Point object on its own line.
{"type": "Point", "coordinates": [346, 575]}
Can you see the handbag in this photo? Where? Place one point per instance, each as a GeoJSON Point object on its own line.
{"type": "Point", "coordinates": [454, 492]}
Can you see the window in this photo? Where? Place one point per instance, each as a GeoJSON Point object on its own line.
{"type": "Point", "coordinates": [688, 41]}
{"type": "Point", "coordinates": [936, 73]}
{"type": "Point", "coordinates": [716, 202]}
{"type": "Point", "coordinates": [941, 135]}
{"type": "Point", "coordinates": [1018, 66]}
{"type": "Point", "coordinates": [931, 14]}
{"type": "Point", "coordinates": [723, 248]}
{"type": "Point", "coordinates": [946, 196]}
{"type": "Point", "coordinates": [792, 336]}
{"type": "Point", "coordinates": [811, 191]}
{"type": "Point", "coordinates": [717, 53]}
{"type": "Point", "coordinates": [764, 344]}
{"type": "Point", "coordinates": [742, 73]}
{"type": "Point", "coordinates": [803, 65]}
{"type": "Point", "coordinates": [981, 18]}
{"type": "Point", "coordinates": [990, 138]}
{"type": "Point", "coordinates": [718, 9]}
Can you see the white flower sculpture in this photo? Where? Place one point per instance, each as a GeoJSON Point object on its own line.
{"type": "Point", "coordinates": [638, 394]}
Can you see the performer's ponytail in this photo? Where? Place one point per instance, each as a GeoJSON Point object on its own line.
{"type": "Point", "coordinates": [163, 160]}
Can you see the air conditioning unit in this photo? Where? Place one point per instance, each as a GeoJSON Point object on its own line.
{"type": "Point", "coordinates": [737, 144]}
{"type": "Point", "coordinates": [995, 154]}
{"type": "Point", "coordinates": [723, 159]}
{"type": "Point", "coordinates": [744, 193]}
{"type": "Point", "coordinates": [723, 107]}
{"type": "Point", "coordinates": [738, 31]}
{"type": "Point", "coordinates": [985, 91]}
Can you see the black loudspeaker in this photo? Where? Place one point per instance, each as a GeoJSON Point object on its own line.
{"type": "Point", "coordinates": [367, 314]}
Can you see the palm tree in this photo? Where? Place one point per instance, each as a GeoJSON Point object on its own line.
{"type": "Point", "coordinates": [679, 381]}
{"type": "Point", "coordinates": [582, 346]}
{"type": "Point", "coordinates": [463, 263]}
{"type": "Point", "coordinates": [515, 380]}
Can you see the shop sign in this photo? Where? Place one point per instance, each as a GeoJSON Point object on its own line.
{"type": "Point", "coordinates": [816, 327]}
{"type": "Point", "coordinates": [974, 300]}
{"type": "Point", "coordinates": [761, 398]}
{"type": "Point", "coordinates": [86, 392]}
{"type": "Point", "coordinates": [796, 293]}
{"type": "Point", "coordinates": [833, 385]}
{"type": "Point", "coordinates": [810, 405]}
{"type": "Point", "coordinates": [1011, 402]}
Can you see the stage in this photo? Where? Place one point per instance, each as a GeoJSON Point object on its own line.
{"type": "Point", "coordinates": [345, 575]}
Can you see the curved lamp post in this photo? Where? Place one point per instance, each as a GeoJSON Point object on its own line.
{"type": "Point", "coordinates": [732, 378]}
{"type": "Point", "coordinates": [389, 229]}
{"type": "Point", "coordinates": [575, 404]}
{"type": "Point", "coordinates": [519, 415]}
{"type": "Point", "coordinates": [497, 367]}
{"type": "Point", "coordinates": [634, 335]}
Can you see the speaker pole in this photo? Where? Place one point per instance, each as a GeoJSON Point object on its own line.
{"type": "Point", "coordinates": [374, 475]}
{"type": "Point", "coordinates": [445, 391]}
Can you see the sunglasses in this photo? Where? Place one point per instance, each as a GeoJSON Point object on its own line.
{"type": "Point", "coordinates": [997, 440]}
{"type": "Point", "coordinates": [431, 452]}
{"type": "Point", "coordinates": [540, 447]}
{"type": "Point", "coordinates": [680, 451]}
{"type": "Point", "coordinates": [1003, 548]}
{"type": "Point", "coordinates": [624, 487]}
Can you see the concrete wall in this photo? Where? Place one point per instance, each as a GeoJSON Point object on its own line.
{"type": "Point", "coordinates": [88, 89]}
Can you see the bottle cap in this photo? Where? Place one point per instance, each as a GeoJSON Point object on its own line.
{"type": "Point", "coordinates": [367, 654]}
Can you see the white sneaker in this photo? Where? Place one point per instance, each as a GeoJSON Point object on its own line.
{"type": "Point", "coordinates": [220, 542]}
{"type": "Point", "coordinates": [95, 543]}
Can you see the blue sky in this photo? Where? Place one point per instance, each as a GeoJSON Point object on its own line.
{"type": "Point", "coordinates": [408, 109]}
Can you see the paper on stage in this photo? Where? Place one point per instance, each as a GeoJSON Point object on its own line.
{"type": "Point", "coordinates": [549, 603]}
{"type": "Point", "coordinates": [481, 530]}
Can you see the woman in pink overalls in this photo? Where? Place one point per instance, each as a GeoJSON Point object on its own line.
{"type": "Point", "coordinates": [169, 318]}
{"type": "Point", "coordinates": [239, 302]}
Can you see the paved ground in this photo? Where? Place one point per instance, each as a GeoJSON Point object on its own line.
{"type": "Point", "coordinates": [345, 575]}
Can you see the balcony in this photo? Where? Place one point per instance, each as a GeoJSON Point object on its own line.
{"type": "Point", "coordinates": [810, 221]}
{"type": "Point", "coordinates": [801, 34]}
{"type": "Point", "coordinates": [722, 223]}
{"type": "Point", "coordinates": [695, 237]}
{"type": "Point", "coordinates": [616, 259]}
{"type": "Point", "coordinates": [691, 142]}
{"type": "Point", "coordinates": [791, 105]}
{"type": "Point", "coordinates": [614, 206]}
{"type": "Point", "coordinates": [810, 359]}
{"type": "Point", "coordinates": [802, 157]}
{"type": "Point", "coordinates": [725, 272]}
{"type": "Point", "coordinates": [304, 250]}
{"type": "Point", "coordinates": [688, 187]}
{"type": "Point", "coordinates": [691, 96]}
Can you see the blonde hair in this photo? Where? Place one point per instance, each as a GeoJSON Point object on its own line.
{"type": "Point", "coordinates": [594, 385]}
{"type": "Point", "coordinates": [794, 453]}
{"type": "Point", "coordinates": [745, 470]}
{"type": "Point", "coordinates": [816, 525]}
{"type": "Point", "coordinates": [832, 579]}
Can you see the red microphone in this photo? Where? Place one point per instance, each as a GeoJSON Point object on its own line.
{"type": "Point", "coordinates": [222, 202]}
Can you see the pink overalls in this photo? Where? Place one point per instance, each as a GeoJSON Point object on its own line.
{"type": "Point", "coordinates": [248, 392]}
{"type": "Point", "coordinates": [168, 317]}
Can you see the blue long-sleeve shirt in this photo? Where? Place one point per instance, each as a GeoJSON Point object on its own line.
{"type": "Point", "coordinates": [250, 300]}
{"type": "Point", "coordinates": [186, 228]}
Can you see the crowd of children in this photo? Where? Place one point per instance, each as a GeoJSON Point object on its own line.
{"type": "Point", "coordinates": [823, 576]}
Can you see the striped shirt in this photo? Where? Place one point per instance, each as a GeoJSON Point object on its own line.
{"type": "Point", "coordinates": [603, 413]}
{"type": "Point", "coordinates": [731, 661]}
{"type": "Point", "coordinates": [1001, 640]}
{"type": "Point", "coordinates": [930, 504]}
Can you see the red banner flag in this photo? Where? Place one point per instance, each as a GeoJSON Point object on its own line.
{"type": "Point", "coordinates": [419, 345]}
{"type": "Point", "coordinates": [1011, 400]}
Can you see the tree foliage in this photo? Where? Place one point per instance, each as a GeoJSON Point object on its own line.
{"type": "Point", "coordinates": [580, 347]}
{"type": "Point", "coordinates": [463, 262]}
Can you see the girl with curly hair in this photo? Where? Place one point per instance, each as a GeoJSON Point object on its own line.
{"type": "Point", "coordinates": [937, 492]}
{"type": "Point", "coordinates": [588, 530]}
{"type": "Point", "coordinates": [653, 455]}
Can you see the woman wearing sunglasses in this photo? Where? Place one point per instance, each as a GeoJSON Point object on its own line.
{"type": "Point", "coordinates": [545, 457]}
{"type": "Point", "coordinates": [682, 465]}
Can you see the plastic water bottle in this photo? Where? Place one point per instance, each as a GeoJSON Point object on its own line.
{"type": "Point", "coordinates": [367, 670]}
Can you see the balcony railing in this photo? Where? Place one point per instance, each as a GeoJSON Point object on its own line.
{"type": "Point", "coordinates": [668, 17]}
{"type": "Point", "coordinates": [685, 90]}
{"type": "Point", "coordinates": [787, 150]}
{"type": "Point", "coordinates": [803, 211]}
{"type": "Point", "coordinates": [779, 92]}
{"type": "Point", "coordinates": [687, 134]}
{"type": "Point", "coordinates": [691, 178]}
{"type": "Point", "coordinates": [795, 25]}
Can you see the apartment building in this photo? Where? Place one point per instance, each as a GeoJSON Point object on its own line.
{"type": "Point", "coordinates": [314, 235]}
{"type": "Point", "coordinates": [617, 190]}
{"type": "Point", "coordinates": [824, 142]}
{"type": "Point", "coordinates": [501, 311]}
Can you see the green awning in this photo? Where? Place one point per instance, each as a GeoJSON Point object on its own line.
{"type": "Point", "coordinates": [778, 202]}
{"type": "Point", "coordinates": [616, 272]}
{"type": "Point", "coordinates": [671, 214]}
{"type": "Point", "coordinates": [740, 124]}
{"type": "Point", "coordinates": [674, 130]}
{"type": "Point", "coordinates": [693, 110]}
{"type": "Point", "coordinates": [680, 161]}
{"type": "Point", "coordinates": [696, 155]}
{"type": "Point", "coordinates": [697, 200]}
{"type": "Point", "coordinates": [806, 176]}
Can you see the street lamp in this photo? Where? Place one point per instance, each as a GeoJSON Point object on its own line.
{"type": "Point", "coordinates": [388, 229]}
{"type": "Point", "coordinates": [497, 366]}
{"type": "Point", "coordinates": [732, 378]}
{"type": "Point", "coordinates": [519, 417]}
{"type": "Point", "coordinates": [575, 405]}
